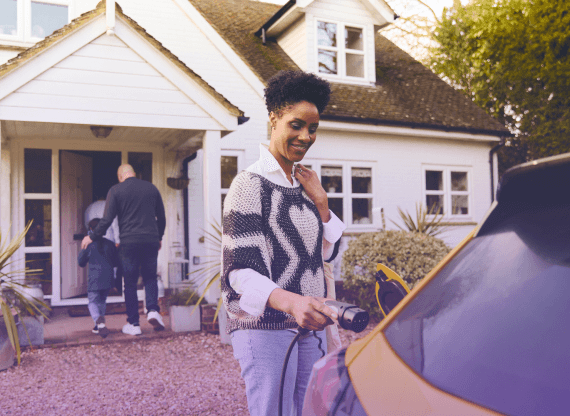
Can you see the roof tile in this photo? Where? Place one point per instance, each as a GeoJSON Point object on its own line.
{"type": "Point", "coordinates": [406, 93]}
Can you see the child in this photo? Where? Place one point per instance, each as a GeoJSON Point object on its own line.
{"type": "Point", "coordinates": [102, 256]}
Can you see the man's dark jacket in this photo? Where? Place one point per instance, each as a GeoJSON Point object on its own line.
{"type": "Point", "coordinates": [140, 211]}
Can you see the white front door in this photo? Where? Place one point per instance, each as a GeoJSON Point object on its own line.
{"type": "Point", "coordinates": [76, 194]}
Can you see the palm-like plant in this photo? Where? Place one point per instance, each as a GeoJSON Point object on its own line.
{"type": "Point", "coordinates": [427, 220]}
{"type": "Point", "coordinates": [13, 296]}
{"type": "Point", "coordinates": [210, 273]}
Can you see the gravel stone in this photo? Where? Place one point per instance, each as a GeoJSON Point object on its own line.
{"type": "Point", "coordinates": [188, 374]}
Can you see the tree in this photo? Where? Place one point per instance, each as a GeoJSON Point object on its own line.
{"type": "Point", "coordinates": [511, 58]}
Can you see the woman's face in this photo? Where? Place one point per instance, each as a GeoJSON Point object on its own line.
{"type": "Point", "coordinates": [293, 133]}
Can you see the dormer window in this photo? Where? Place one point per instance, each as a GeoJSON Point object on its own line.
{"type": "Point", "coordinates": [30, 20]}
{"type": "Point", "coordinates": [340, 49]}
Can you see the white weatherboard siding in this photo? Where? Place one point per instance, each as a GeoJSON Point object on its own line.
{"type": "Point", "coordinates": [348, 12]}
{"type": "Point", "coordinates": [105, 79]}
{"type": "Point", "coordinates": [294, 42]}
{"type": "Point", "coordinates": [6, 55]}
{"type": "Point", "coordinates": [398, 165]}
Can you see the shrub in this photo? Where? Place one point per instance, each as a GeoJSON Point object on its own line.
{"type": "Point", "coordinates": [410, 255]}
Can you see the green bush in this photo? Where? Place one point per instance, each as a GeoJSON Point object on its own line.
{"type": "Point", "coordinates": [410, 255]}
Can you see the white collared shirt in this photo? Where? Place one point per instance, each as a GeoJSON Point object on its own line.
{"type": "Point", "coordinates": [254, 287]}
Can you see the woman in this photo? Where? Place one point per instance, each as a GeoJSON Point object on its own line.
{"type": "Point", "coordinates": [277, 229]}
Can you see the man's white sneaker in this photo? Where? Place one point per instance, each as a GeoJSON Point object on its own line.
{"type": "Point", "coordinates": [131, 329]}
{"type": "Point", "coordinates": [154, 318]}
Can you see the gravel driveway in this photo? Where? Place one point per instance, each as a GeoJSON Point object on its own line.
{"type": "Point", "coordinates": [190, 374]}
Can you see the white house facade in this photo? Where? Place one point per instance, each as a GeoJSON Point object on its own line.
{"type": "Point", "coordinates": [175, 87]}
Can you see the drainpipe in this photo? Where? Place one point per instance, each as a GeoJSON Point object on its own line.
{"type": "Point", "coordinates": [491, 154]}
{"type": "Point", "coordinates": [185, 200]}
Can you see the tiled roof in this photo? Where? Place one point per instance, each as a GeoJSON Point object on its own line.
{"type": "Point", "coordinates": [406, 93]}
{"type": "Point", "coordinates": [75, 24]}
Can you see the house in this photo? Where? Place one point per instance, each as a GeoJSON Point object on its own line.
{"type": "Point", "coordinates": [175, 87]}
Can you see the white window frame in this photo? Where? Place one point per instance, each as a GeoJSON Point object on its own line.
{"type": "Point", "coordinates": [447, 192]}
{"type": "Point", "coordinates": [233, 153]}
{"type": "Point", "coordinates": [341, 51]}
{"type": "Point", "coordinates": [24, 21]}
{"type": "Point", "coordinates": [347, 195]}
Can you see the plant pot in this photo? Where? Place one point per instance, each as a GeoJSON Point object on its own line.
{"type": "Point", "coordinates": [7, 353]}
{"type": "Point", "coordinates": [183, 320]}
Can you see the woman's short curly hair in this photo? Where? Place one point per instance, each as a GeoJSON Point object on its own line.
{"type": "Point", "coordinates": [291, 87]}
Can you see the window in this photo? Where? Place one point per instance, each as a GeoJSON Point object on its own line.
{"type": "Point", "coordinates": [142, 165]}
{"type": "Point", "coordinates": [340, 50]}
{"type": "Point", "coordinates": [230, 166]}
{"type": "Point", "coordinates": [9, 17]}
{"type": "Point", "coordinates": [37, 206]}
{"type": "Point", "coordinates": [349, 189]}
{"type": "Point", "coordinates": [31, 20]}
{"type": "Point", "coordinates": [447, 191]}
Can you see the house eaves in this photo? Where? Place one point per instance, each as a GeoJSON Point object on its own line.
{"type": "Point", "coordinates": [406, 93]}
{"type": "Point", "coordinates": [294, 9]}
{"type": "Point", "coordinates": [89, 16]}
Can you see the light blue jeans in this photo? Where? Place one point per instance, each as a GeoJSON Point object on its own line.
{"type": "Point", "coordinates": [97, 303]}
{"type": "Point", "coordinates": [261, 354]}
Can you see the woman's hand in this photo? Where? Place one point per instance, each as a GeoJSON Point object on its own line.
{"type": "Point", "coordinates": [309, 312]}
{"type": "Point", "coordinates": [314, 189]}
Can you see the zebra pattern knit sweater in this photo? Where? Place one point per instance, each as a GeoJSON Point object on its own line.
{"type": "Point", "coordinates": [276, 231]}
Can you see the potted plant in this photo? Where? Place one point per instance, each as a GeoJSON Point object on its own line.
{"type": "Point", "coordinates": [16, 300]}
{"type": "Point", "coordinates": [184, 310]}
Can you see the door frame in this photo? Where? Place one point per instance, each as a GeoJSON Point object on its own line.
{"type": "Point", "coordinates": [17, 147]}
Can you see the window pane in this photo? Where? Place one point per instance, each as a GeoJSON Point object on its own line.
{"type": "Point", "coordinates": [459, 205]}
{"type": "Point", "coordinates": [434, 180]}
{"type": "Point", "coordinates": [354, 65]}
{"type": "Point", "coordinates": [223, 199]}
{"type": "Point", "coordinates": [37, 171]}
{"type": "Point", "coordinates": [331, 179]}
{"type": "Point", "coordinates": [335, 205]}
{"type": "Point", "coordinates": [361, 180]}
{"type": "Point", "coordinates": [38, 210]}
{"type": "Point", "coordinates": [8, 17]}
{"type": "Point", "coordinates": [434, 204]}
{"type": "Point", "coordinates": [142, 164]}
{"type": "Point", "coordinates": [327, 62]}
{"type": "Point", "coordinates": [362, 211]}
{"type": "Point", "coordinates": [326, 33]}
{"type": "Point", "coordinates": [459, 181]}
{"type": "Point", "coordinates": [353, 38]}
{"type": "Point", "coordinates": [47, 18]}
{"type": "Point", "coordinates": [41, 261]}
{"type": "Point", "coordinates": [229, 170]}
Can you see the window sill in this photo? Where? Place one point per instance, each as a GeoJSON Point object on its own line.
{"type": "Point", "coordinates": [350, 81]}
{"type": "Point", "coordinates": [10, 44]}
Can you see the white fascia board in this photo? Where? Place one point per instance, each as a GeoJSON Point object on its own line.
{"type": "Point", "coordinates": [405, 131]}
{"type": "Point", "coordinates": [380, 9]}
{"type": "Point", "coordinates": [175, 75]}
{"type": "Point", "coordinates": [285, 21]}
{"type": "Point", "coordinates": [233, 58]}
{"type": "Point", "coordinates": [52, 55]}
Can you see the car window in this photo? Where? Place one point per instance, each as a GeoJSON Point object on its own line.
{"type": "Point", "coordinates": [493, 326]}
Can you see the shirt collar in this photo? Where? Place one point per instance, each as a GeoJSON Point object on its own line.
{"type": "Point", "coordinates": [270, 164]}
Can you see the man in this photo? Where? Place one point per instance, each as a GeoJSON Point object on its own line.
{"type": "Point", "coordinates": [139, 208]}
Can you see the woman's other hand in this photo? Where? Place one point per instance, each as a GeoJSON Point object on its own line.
{"type": "Point", "coordinates": [309, 312]}
{"type": "Point", "coordinates": [312, 186]}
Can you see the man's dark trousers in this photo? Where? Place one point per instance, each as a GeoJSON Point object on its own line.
{"type": "Point", "coordinates": [143, 257]}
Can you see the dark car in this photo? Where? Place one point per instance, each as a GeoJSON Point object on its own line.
{"type": "Point", "coordinates": [486, 332]}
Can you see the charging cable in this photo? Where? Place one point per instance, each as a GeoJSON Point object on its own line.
{"type": "Point", "coordinates": [350, 317]}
